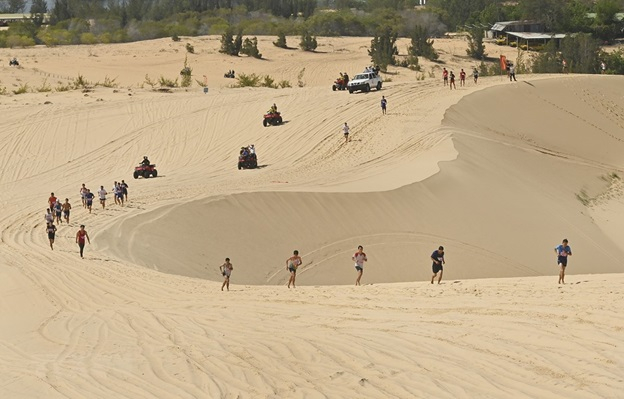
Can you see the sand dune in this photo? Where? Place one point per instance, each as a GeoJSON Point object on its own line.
{"type": "Point", "coordinates": [499, 173]}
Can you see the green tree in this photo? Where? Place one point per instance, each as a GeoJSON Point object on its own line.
{"type": "Point", "coordinates": [383, 48]}
{"type": "Point", "coordinates": [250, 48]}
{"type": "Point", "coordinates": [227, 42]}
{"type": "Point", "coordinates": [421, 45]}
{"type": "Point", "coordinates": [14, 6]}
{"type": "Point", "coordinates": [547, 61]}
{"type": "Point", "coordinates": [581, 53]}
{"type": "Point", "coordinates": [281, 40]}
{"type": "Point", "coordinates": [550, 12]}
{"type": "Point", "coordinates": [308, 42]}
{"type": "Point", "coordinates": [186, 73]}
{"type": "Point", "coordinates": [476, 49]}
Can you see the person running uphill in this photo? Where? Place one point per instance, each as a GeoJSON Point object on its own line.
{"type": "Point", "coordinates": [563, 251]}
{"type": "Point", "coordinates": [359, 258]}
{"type": "Point", "coordinates": [226, 271]}
{"type": "Point", "coordinates": [66, 208]}
{"type": "Point", "coordinates": [292, 264]}
{"type": "Point", "coordinates": [51, 230]}
{"type": "Point", "coordinates": [345, 131]}
{"type": "Point", "coordinates": [438, 260]}
{"type": "Point", "coordinates": [81, 235]}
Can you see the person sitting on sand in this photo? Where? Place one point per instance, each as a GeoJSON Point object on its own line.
{"type": "Point", "coordinates": [292, 264]}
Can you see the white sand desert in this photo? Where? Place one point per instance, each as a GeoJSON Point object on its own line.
{"type": "Point", "coordinates": [499, 173]}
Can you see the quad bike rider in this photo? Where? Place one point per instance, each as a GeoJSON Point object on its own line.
{"type": "Point", "coordinates": [145, 169]}
{"type": "Point", "coordinates": [14, 62]}
{"type": "Point", "coordinates": [341, 82]}
{"type": "Point", "coordinates": [247, 158]}
{"type": "Point", "coordinates": [272, 117]}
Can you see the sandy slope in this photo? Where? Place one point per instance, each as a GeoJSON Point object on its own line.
{"type": "Point", "coordinates": [491, 174]}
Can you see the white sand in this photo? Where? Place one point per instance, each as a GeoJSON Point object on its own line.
{"type": "Point", "coordinates": [493, 175]}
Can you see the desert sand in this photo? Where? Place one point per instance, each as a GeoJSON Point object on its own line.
{"type": "Point", "coordinates": [499, 173]}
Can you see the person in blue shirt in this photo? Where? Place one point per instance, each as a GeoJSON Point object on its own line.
{"type": "Point", "coordinates": [563, 251]}
{"type": "Point", "coordinates": [438, 260]}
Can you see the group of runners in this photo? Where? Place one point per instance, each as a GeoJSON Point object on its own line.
{"type": "Point", "coordinates": [448, 78]}
{"type": "Point", "coordinates": [563, 251]}
{"type": "Point", "coordinates": [58, 211]}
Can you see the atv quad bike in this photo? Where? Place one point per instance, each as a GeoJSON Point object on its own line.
{"type": "Point", "coordinates": [145, 171]}
{"type": "Point", "coordinates": [272, 118]}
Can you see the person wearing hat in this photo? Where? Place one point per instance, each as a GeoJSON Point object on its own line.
{"type": "Point", "coordinates": [438, 260]}
{"type": "Point", "coordinates": [145, 161]}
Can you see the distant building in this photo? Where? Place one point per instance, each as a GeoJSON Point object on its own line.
{"type": "Point", "coordinates": [6, 19]}
{"type": "Point", "coordinates": [522, 33]}
{"type": "Point", "coordinates": [502, 28]}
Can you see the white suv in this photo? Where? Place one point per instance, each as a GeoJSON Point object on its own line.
{"type": "Point", "coordinates": [364, 81]}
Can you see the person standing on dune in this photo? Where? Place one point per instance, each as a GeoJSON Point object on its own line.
{"type": "Point", "coordinates": [226, 271]}
{"type": "Point", "coordinates": [359, 258]}
{"type": "Point", "coordinates": [384, 104]}
{"type": "Point", "coordinates": [438, 260]}
{"type": "Point", "coordinates": [345, 131]}
{"type": "Point", "coordinates": [81, 235]}
{"type": "Point", "coordinates": [292, 264]}
{"type": "Point", "coordinates": [563, 251]}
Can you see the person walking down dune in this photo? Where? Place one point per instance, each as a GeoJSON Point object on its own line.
{"type": "Point", "coordinates": [384, 104]}
{"type": "Point", "coordinates": [49, 216]}
{"type": "Point", "coordinates": [563, 251]}
{"type": "Point", "coordinates": [438, 260]}
{"type": "Point", "coordinates": [292, 264]}
{"type": "Point", "coordinates": [51, 230]}
{"type": "Point", "coordinates": [81, 235]}
{"type": "Point", "coordinates": [226, 271]}
{"type": "Point", "coordinates": [359, 258]}
{"type": "Point", "coordinates": [66, 209]}
{"type": "Point", "coordinates": [345, 131]}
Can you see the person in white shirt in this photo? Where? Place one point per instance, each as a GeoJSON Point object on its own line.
{"type": "Point", "coordinates": [359, 258]}
{"type": "Point", "coordinates": [345, 131]}
{"type": "Point", "coordinates": [102, 194]}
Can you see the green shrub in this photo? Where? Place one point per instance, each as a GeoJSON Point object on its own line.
{"type": "Point", "coordinates": [108, 82]}
{"type": "Point", "coordinates": [251, 80]}
{"type": "Point", "coordinates": [81, 83]}
{"type": "Point", "coordinates": [44, 88]}
{"type": "Point", "coordinates": [190, 48]}
{"type": "Point", "coordinates": [88, 38]}
{"type": "Point", "coordinates": [149, 81]}
{"type": "Point", "coordinates": [250, 48]}
{"type": "Point", "coordinates": [3, 90]}
{"type": "Point", "coordinates": [22, 89]}
{"type": "Point", "coordinates": [268, 82]}
{"type": "Point", "coordinates": [63, 87]}
{"type": "Point", "coordinates": [308, 42]}
{"type": "Point", "coordinates": [300, 81]}
{"type": "Point", "coordinates": [175, 38]}
{"type": "Point", "coordinates": [284, 84]}
{"type": "Point", "coordinates": [383, 48]}
{"type": "Point", "coordinates": [281, 40]}
{"type": "Point", "coordinates": [187, 74]}
{"type": "Point", "coordinates": [164, 82]}
{"type": "Point", "coordinates": [13, 41]}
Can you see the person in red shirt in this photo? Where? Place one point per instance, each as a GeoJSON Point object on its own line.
{"type": "Point", "coordinates": [445, 76]}
{"type": "Point", "coordinates": [462, 78]}
{"type": "Point", "coordinates": [81, 235]}
{"type": "Point", "coordinates": [51, 201]}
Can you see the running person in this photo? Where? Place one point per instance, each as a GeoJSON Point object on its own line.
{"type": "Point", "coordinates": [563, 251]}
{"type": "Point", "coordinates": [114, 190]}
{"type": "Point", "coordinates": [345, 131]}
{"type": "Point", "coordinates": [89, 198]}
{"type": "Point", "coordinates": [49, 216]}
{"type": "Point", "coordinates": [384, 104]}
{"type": "Point", "coordinates": [80, 239]}
{"type": "Point", "coordinates": [226, 271]}
{"type": "Point", "coordinates": [438, 260]}
{"type": "Point", "coordinates": [359, 258]}
{"type": "Point", "coordinates": [66, 208]}
{"type": "Point", "coordinates": [292, 264]}
{"type": "Point", "coordinates": [102, 194]}
{"type": "Point", "coordinates": [124, 187]}
{"type": "Point", "coordinates": [51, 230]}
{"type": "Point", "coordinates": [119, 194]}
{"type": "Point", "coordinates": [83, 195]}
{"type": "Point", "coordinates": [51, 201]}
{"type": "Point", "coordinates": [57, 211]}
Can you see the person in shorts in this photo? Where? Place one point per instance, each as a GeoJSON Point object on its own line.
{"type": "Point", "coordinates": [51, 230]}
{"type": "Point", "coordinates": [462, 78]}
{"type": "Point", "coordinates": [292, 264]}
{"type": "Point", "coordinates": [57, 211]}
{"type": "Point", "coordinates": [89, 199]}
{"type": "Point", "coordinates": [124, 187]}
{"type": "Point", "coordinates": [83, 195]}
{"type": "Point", "coordinates": [438, 261]}
{"type": "Point", "coordinates": [445, 76]}
{"type": "Point", "coordinates": [359, 258]}
{"type": "Point", "coordinates": [49, 216]}
{"type": "Point", "coordinates": [384, 104]}
{"type": "Point", "coordinates": [119, 194]}
{"type": "Point", "coordinates": [345, 131]}
{"type": "Point", "coordinates": [102, 194]}
{"type": "Point", "coordinates": [51, 201]}
{"type": "Point", "coordinates": [563, 251]}
{"type": "Point", "coordinates": [66, 208]}
{"type": "Point", "coordinates": [226, 271]}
